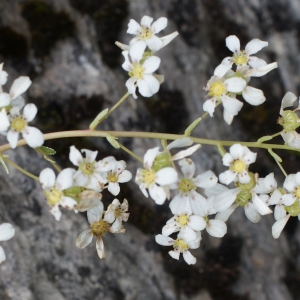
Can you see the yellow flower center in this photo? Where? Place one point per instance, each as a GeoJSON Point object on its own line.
{"type": "Point", "coordinates": [238, 166]}
{"type": "Point", "coordinates": [146, 34]}
{"type": "Point", "coordinates": [118, 212]}
{"type": "Point", "coordinates": [18, 124]}
{"type": "Point", "coordinates": [297, 192]}
{"type": "Point", "coordinates": [99, 228]}
{"type": "Point", "coordinates": [112, 177]}
{"type": "Point", "coordinates": [240, 59]}
{"type": "Point", "coordinates": [183, 220]}
{"type": "Point", "coordinates": [87, 168]}
{"type": "Point", "coordinates": [137, 72]}
{"type": "Point", "coordinates": [217, 89]}
{"type": "Point", "coordinates": [149, 177]}
{"type": "Point", "coordinates": [186, 185]}
{"type": "Point", "coordinates": [53, 196]}
{"type": "Point", "coordinates": [181, 245]}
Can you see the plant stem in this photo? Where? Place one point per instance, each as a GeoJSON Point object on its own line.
{"type": "Point", "coordinates": [20, 169]}
{"type": "Point", "coordinates": [130, 152]}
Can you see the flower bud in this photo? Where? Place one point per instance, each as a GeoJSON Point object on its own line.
{"type": "Point", "coordinates": [289, 120]}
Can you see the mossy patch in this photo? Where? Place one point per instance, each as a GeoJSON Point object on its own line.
{"type": "Point", "coordinates": [108, 17]}
{"type": "Point", "coordinates": [47, 27]}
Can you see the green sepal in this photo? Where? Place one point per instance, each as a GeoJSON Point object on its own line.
{"type": "Point", "coordinates": [192, 126]}
{"type": "Point", "coordinates": [264, 139]}
{"type": "Point", "coordinates": [113, 141]}
{"type": "Point", "coordinates": [73, 192]}
{"type": "Point", "coordinates": [275, 156]}
{"type": "Point", "coordinates": [47, 150]}
{"type": "Point", "coordinates": [101, 116]}
{"type": "Point", "coordinates": [294, 209]}
{"type": "Point", "coordinates": [161, 161]}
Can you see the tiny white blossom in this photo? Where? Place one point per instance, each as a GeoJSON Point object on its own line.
{"type": "Point", "coordinates": [141, 71]}
{"type": "Point", "coordinates": [238, 160]}
{"type": "Point", "coordinates": [7, 231]}
{"type": "Point", "coordinates": [154, 181]}
{"type": "Point", "coordinates": [180, 245]}
{"type": "Point", "coordinates": [19, 124]}
{"type": "Point", "coordinates": [292, 185]}
{"type": "Point", "coordinates": [54, 189]}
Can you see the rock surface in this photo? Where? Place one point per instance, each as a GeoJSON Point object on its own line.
{"type": "Point", "coordinates": [67, 48]}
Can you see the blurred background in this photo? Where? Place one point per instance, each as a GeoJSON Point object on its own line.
{"type": "Point", "coordinates": [67, 48]}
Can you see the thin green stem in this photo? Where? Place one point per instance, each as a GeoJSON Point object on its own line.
{"type": "Point", "coordinates": [130, 152]}
{"type": "Point", "coordinates": [276, 134]}
{"type": "Point", "coordinates": [281, 168]}
{"type": "Point", "coordinates": [47, 158]}
{"type": "Point", "coordinates": [149, 135]}
{"type": "Point", "coordinates": [19, 168]}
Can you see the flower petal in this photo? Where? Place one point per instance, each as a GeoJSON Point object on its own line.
{"type": "Point", "coordinates": [148, 85]}
{"type": "Point", "coordinates": [261, 71]}
{"type": "Point", "coordinates": [146, 21]}
{"type": "Point", "coordinates": [84, 239]}
{"type": "Point", "coordinates": [251, 213]}
{"type": "Point", "coordinates": [256, 62]}
{"type": "Point", "coordinates": [33, 136]}
{"type": "Point", "coordinates": [232, 105]}
{"type": "Point", "coordinates": [253, 96]}
{"type": "Point", "coordinates": [157, 193]}
{"type": "Point", "coordinates": [95, 214]}
{"type": "Point", "coordinates": [64, 179]}
{"type": "Point", "coordinates": [100, 247]}
{"type": "Point", "coordinates": [189, 258]}
{"type": "Point", "coordinates": [159, 25]}
{"type": "Point", "coordinates": [254, 46]}
{"type": "Point", "coordinates": [278, 226]}
{"type": "Point", "coordinates": [151, 64]}
{"type": "Point", "coordinates": [216, 228]}
{"type": "Point", "coordinates": [2, 255]}
{"type": "Point", "coordinates": [166, 176]}
{"type": "Point", "coordinates": [47, 178]}
{"type": "Point", "coordinates": [164, 240]}
{"type": "Point", "coordinates": [233, 43]}
{"type": "Point", "coordinates": [260, 206]}
{"type": "Point", "coordinates": [7, 231]}
{"type": "Point", "coordinates": [235, 84]}
{"type": "Point", "coordinates": [29, 112]}
{"type": "Point", "coordinates": [187, 167]}
{"type": "Point", "coordinates": [19, 86]}
{"type": "Point", "coordinates": [137, 50]}
{"type": "Point", "coordinates": [134, 27]}
{"type": "Point", "coordinates": [12, 137]}
{"type": "Point", "coordinates": [224, 67]}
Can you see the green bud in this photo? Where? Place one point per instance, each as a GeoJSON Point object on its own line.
{"type": "Point", "coordinates": [294, 209]}
{"type": "Point", "coordinates": [243, 198]}
{"type": "Point", "coordinates": [161, 161]}
{"type": "Point", "coordinates": [73, 192]}
{"type": "Point", "coordinates": [248, 186]}
{"type": "Point", "coordinates": [289, 121]}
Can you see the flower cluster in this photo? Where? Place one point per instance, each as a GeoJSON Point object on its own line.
{"type": "Point", "coordinates": [140, 62]}
{"type": "Point", "coordinates": [226, 84]}
{"type": "Point", "coordinates": [12, 121]}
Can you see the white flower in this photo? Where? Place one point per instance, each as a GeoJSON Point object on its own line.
{"type": "Point", "coordinates": [19, 124]}
{"type": "Point", "coordinates": [180, 245]}
{"type": "Point", "coordinates": [7, 231]}
{"type": "Point", "coordinates": [116, 214]}
{"type": "Point", "coordinates": [241, 58]}
{"type": "Point", "coordinates": [186, 223]}
{"type": "Point", "coordinates": [238, 160]}
{"type": "Point", "coordinates": [278, 226]}
{"type": "Point", "coordinates": [98, 227]}
{"type": "Point", "coordinates": [140, 71]}
{"type": "Point", "coordinates": [19, 86]}
{"type": "Point", "coordinates": [117, 174]}
{"type": "Point", "coordinates": [292, 185]}
{"type": "Point", "coordinates": [54, 189]}
{"type": "Point", "coordinates": [218, 89]}
{"type": "Point", "coordinates": [149, 179]}
{"type": "Point", "coordinates": [147, 32]}
{"type": "Point", "coordinates": [187, 196]}
{"type": "Point", "coordinates": [290, 121]}
{"type": "Point", "coordinates": [88, 174]}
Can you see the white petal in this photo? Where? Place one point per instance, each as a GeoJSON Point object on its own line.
{"type": "Point", "coordinates": [228, 159]}
{"type": "Point", "coordinates": [29, 112]}
{"type": "Point", "coordinates": [290, 183]}
{"type": "Point", "coordinates": [235, 84]}
{"type": "Point", "coordinates": [125, 176]}
{"type": "Point", "coordinates": [4, 121]}
{"type": "Point", "coordinates": [236, 151]}
{"type": "Point", "coordinates": [288, 199]}
{"type": "Point", "coordinates": [114, 188]}
{"type": "Point", "coordinates": [157, 193]}
{"type": "Point", "coordinates": [2, 255]}
{"type": "Point", "coordinates": [75, 156]}
{"type": "Point", "coordinates": [174, 254]}
{"type": "Point", "coordinates": [254, 46]}
{"type": "Point", "coordinates": [4, 99]}
{"type": "Point", "coordinates": [154, 43]}
{"type": "Point", "coordinates": [170, 228]}
{"type": "Point", "coordinates": [244, 177]}
{"type": "Point", "coordinates": [146, 21]}
{"type": "Point", "coordinates": [197, 223]}
{"type": "Point", "coordinates": [137, 50]}
{"type": "Point", "coordinates": [189, 258]}
{"type": "Point", "coordinates": [261, 207]}
{"type": "Point", "coordinates": [225, 214]}
{"type": "Point", "coordinates": [275, 198]}
{"type": "Point", "coordinates": [253, 96]}
{"type": "Point", "coordinates": [95, 214]}
{"type": "Point", "coordinates": [148, 85]}
{"type": "Point", "coordinates": [227, 177]}
{"type": "Point", "coordinates": [224, 67]}
{"type": "Point", "coordinates": [67, 202]}
{"type": "Point", "coordinates": [134, 27]}
{"type": "Point", "coordinates": [84, 239]}
{"type": "Point", "coordinates": [47, 178]}
{"type": "Point", "coordinates": [164, 240]}
{"type": "Point", "coordinates": [278, 226]}
{"type": "Point", "coordinates": [151, 64]}
{"type": "Point", "coordinates": [206, 180]}
{"type": "Point", "coordinates": [216, 189]}
{"type": "Point", "coordinates": [149, 157]}
{"type": "Point", "coordinates": [100, 247]}
{"type": "Point", "coordinates": [178, 204]}
{"type": "Point", "coordinates": [19, 86]}
{"type": "Point", "coordinates": [185, 153]}
{"type": "Point", "coordinates": [216, 228]}
{"type": "Point", "coordinates": [261, 71]}
{"type": "Point", "coordinates": [168, 38]}
{"type": "Point", "coordinates": [184, 142]}
{"type": "Point", "coordinates": [187, 167]}
{"type": "Point", "coordinates": [199, 204]}
{"type": "Point", "coordinates": [228, 118]}
{"type": "Point", "coordinates": [294, 139]}
{"type": "Point", "coordinates": [122, 46]}
{"type": "Point", "coordinates": [166, 176]}
{"type": "Point", "coordinates": [33, 136]}
{"type": "Point", "coordinates": [233, 43]}
{"type": "Point", "coordinates": [130, 84]}
{"type": "Point", "coordinates": [188, 234]}
{"type": "Point", "coordinates": [64, 179]}
{"type": "Point", "coordinates": [279, 212]}
{"type": "Point", "coordinates": [209, 106]}
{"type": "Point", "coordinates": [287, 101]}
{"type": "Point", "coordinates": [256, 62]}
{"type": "Point", "coordinates": [127, 66]}
{"type": "Point", "coordinates": [7, 231]}
{"type": "Point", "coordinates": [270, 182]}
{"type": "Point", "coordinates": [251, 213]}
{"type": "Point", "coordinates": [226, 199]}
{"type": "Point", "coordinates": [55, 211]}
{"type": "Point", "coordinates": [12, 137]}
{"type": "Point", "coordinates": [232, 105]}
{"type": "Point", "coordinates": [159, 25]}
{"type": "Point", "coordinates": [90, 155]}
